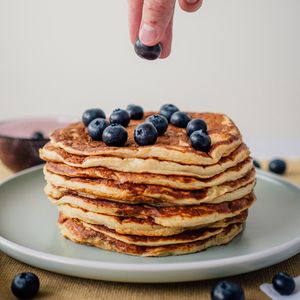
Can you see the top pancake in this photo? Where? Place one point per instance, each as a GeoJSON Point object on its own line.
{"type": "Point", "coordinates": [150, 165]}
{"type": "Point", "coordinates": [172, 146]}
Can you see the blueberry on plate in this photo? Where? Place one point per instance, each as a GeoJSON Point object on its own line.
{"type": "Point", "coordinates": [96, 128]}
{"type": "Point", "coordinates": [277, 166]}
{"type": "Point", "coordinates": [195, 124]}
{"type": "Point", "coordinates": [147, 52]}
{"type": "Point", "coordinates": [25, 285]}
{"type": "Point", "coordinates": [136, 112]}
{"type": "Point", "coordinates": [227, 290]}
{"type": "Point", "coordinates": [180, 119]}
{"type": "Point", "coordinates": [283, 283]}
{"type": "Point", "coordinates": [167, 110]}
{"type": "Point", "coordinates": [120, 116]}
{"type": "Point", "coordinates": [256, 164]}
{"type": "Point", "coordinates": [115, 135]}
{"type": "Point", "coordinates": [145, 134]}
{"type": "Point", "coordinates": [92, 114]}
{"type": "Point", "coordinates": [200, 140]}
{"type": "Point", "coordinates": [160, 123]}
{"type": "Point", "coordinates": [37, 135]}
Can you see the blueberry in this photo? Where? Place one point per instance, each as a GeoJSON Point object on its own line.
{"type": "Point", "coordinates": [136, 112]}
{"type": "Point", "coordinates": [92, 114]}
{"type": "Point", "coordinates": [145, 134]}
{"type": "Point", "coordinates": [96, 128]}
{"type": "Point", "coordinates": [120, 116]}
{"type": "Point", "coordinates": [37, 135]}
{"type": "Point", "coordinates": [200, 140]}
{"type": "Point", "coordinates": [25, 285]}
{"type": "Point", "coordinates": [195, 124]}
{"type": "Point", "coordinates": [256, 164]}
{"type": "Point", "coordinates": [115, 135]}
{"type": "Point", "coordinates": [167, 110]}
{"type": "Point", "coordinates": [147, 52]}
{"type": "Point", "coordinates": [283, 283]}
{"type": "Point", "coordinates": [277, 166]}
{"type": "Point", "coordinates": [159, 122]}
{"type": "Point", "coordinates": [180, 119]}
{"type": "Point", "coordinates": [227, 290]}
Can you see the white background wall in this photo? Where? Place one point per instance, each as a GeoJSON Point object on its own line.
{"type": "Point", "coordinates": [234, 56]}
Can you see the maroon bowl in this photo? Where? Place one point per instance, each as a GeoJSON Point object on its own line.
{"type": "Point", "coordinates": [19, 149]}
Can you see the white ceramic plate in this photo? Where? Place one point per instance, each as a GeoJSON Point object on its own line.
{"type": "Point", "coordinates": [28, 232]}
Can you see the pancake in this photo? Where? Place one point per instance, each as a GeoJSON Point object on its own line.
{"type": "Point", "coordinates": [141, 193]}
{"type": "Point", "coordinates": [140, 226]}
{"type": "Point", "coordinates": [79, 232]}
{"type": "Point", "coordinates": [173, 146]}
{"type": "Point", "coordinates": [184, 237]}
{"type": "Point", "coordinates": [150, 165]}
{"type": "Point", "coordinates": [59, 195]}
{"type": "Point", "coordinates": [177, 182]}
{"type": "Point", "coordinates": [107, 207]}
{"type": "Point", "coordinates": [180, 216]}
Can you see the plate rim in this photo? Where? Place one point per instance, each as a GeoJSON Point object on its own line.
{"type": "Point", "coordinates": [156, 266]}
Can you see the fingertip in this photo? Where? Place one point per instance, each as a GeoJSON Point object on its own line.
{"type": "Point", "coordinates": [166, 49]}
{"type": "Point", "coordinates": [190, 5]}
{"type": "Point", "coordinates": [165, 54]}
{"type": "Point", "coordinates": [167, 41]}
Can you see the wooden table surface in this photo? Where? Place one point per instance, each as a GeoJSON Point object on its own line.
{"type": "Point", "coordinates": [56, 286]}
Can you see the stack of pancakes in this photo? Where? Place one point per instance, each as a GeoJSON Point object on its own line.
{"type": "Point", "coordinates": [163, 199]}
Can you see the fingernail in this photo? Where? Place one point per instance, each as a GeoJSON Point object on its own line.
{"type": "Point", "coordinates": [148, 34]}
{"type": "Point", "coordinates": [191, 1]}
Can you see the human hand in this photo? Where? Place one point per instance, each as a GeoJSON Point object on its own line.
{"type": "Point", "coordinates": [152, 21]}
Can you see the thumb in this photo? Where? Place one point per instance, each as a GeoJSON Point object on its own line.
{"type": "Point", "coordinates": [190, 5]}
{"type": "Point", "coordinates": [156, 17]}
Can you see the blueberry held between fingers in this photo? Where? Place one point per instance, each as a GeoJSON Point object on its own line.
{"type": "Point", "coordinates": [92, 114]}
{"type": "Point", "coordinates": [283, 283]}
{"type": "Point", "coordinates": [147, 52]}
{"type": "Point", "coordinates": [136, 112]}
{"type": "Point", "coordinates": [256, 164]}
{"type": "Point", "coordinates": [277, 166]}
{"type": "Point", "coordinates": [227, 290]}
{"type": "Point", "coordinates": [195, 124]}
{"type": "Point", "coordinates": [37, 135]}
{"type": "Point", "coordinates": [145, 134]}
{"type": "Point", "coordinates": [115, 135]}
{"type": "Point", "coordinates": [96, 128]}
{"type": "Point", "coordinates": [200, 140]}
{"type": "Point", "coordinates": [167, 110]}
{"type": "Point", "coordinates": [25, 285]}
{"type": "Point", "coordinates": [160, 123]}
{"type": "Point", "coordinates": [180, 119]}
{"type": "Point", "coordinates": [120, 116]}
